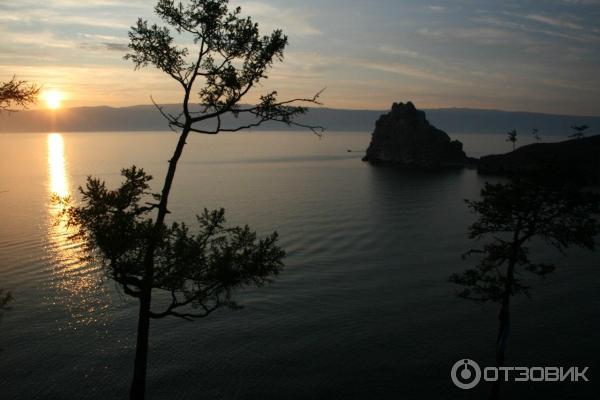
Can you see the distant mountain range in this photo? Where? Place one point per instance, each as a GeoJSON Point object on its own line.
{"type": "Point", "coordinates": [147, 118]}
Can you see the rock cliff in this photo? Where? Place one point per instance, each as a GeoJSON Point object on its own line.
{"type": "Point", "coordinates": [404, 137]}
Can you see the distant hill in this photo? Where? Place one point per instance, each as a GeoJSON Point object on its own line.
{"type": "Point", "coordinates": [147, 118]}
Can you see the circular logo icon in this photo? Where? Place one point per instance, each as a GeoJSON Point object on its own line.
{"type": "Point", "coordinates": [465, 374]}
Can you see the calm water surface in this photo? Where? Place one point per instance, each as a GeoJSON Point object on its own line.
{"type": "Point", "coordinates": [363, 309]}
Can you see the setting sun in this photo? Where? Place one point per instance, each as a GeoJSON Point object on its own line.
{"type": "Point", "coordinates": [53, 98]}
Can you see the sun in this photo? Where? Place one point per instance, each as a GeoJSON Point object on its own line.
{"type": "Point", "coordinates": [53, 98]}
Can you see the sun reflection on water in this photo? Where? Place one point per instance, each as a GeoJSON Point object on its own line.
{"type": "Point", "coordinates": [57, 170]}
{"type": "Point", "coordinates": [77, 284]}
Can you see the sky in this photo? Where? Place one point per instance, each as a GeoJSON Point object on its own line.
{"type": "Point", "coordinates": [522, 55]}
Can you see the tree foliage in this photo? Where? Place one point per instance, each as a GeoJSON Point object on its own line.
{"type": "Point", "coordinates": [198, 268]}
{"type": "Point", "coordinates": [230, 58]}
{"type": "Point", "coordinates": [510, 216]}
{"type": "Point", "coordinates": [17, 93]}
{"type": "Point", "coordinates": [512, 137]}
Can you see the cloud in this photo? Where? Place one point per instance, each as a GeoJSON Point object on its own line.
{"type": "Point", "coordinates": [43, 17]}
{"type": "Point", "coordinates": [522, 23]}
{"type": "Point", "coordinates": [582, 2]}
{"type": "Point", "coordinates": [85, 4]}
{"type": "Point", "coordinates": [103, 42]}
{"type": "Point", "coordinates": [295, 21]}
{"type": "Point", "coordinates": [555, 22]}
{"type": "Point", "coordinates": [116, 46]}
{"type": "Point", "coordinates": [408, 71]}
{"type": "Point", "coordinates": [399, 51]}
{"type": "Point", "coordinates": [436, 8]}
{"type": "Point", "coordinates": [474, 35]}
{"type": "Point", "coordinates": [36, 40]}
{"type": "Point", "coordinates": [104, 46]}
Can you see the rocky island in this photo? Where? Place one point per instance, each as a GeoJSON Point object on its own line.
{"type": "Point", "coordinates": [405, 138]}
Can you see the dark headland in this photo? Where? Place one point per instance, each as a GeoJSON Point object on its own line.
{"type": "Point", "coordinates": [576, 159]}
{"type": "Point", "coordinates": [405, 138]}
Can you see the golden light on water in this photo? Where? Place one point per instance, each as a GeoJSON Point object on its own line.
{"type": "Point", "coordinates": [77, 284]}
{"type": "Point", "coordinates": [57, 172]}
{"type": "Point", "coordinates": [53, 98]}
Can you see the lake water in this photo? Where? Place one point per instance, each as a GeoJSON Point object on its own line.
{"type": "Point", "coordinates": [363, 309]}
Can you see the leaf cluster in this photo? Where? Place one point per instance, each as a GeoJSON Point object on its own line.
{"type": "Point", "coordinates": [17, 93]}
{"type": "Point", "coordinates": [512, 214]}
{"type": "Point", "coordinates": [512, 136]}
{"type": "Point", "coordinates": [198, 268]}
{"type": "Point", "coordinates": [227, 56]}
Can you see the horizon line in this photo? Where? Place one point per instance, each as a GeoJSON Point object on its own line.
{"type": "Point", "coordinates": [322, 108]}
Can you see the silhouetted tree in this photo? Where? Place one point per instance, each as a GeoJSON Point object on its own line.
{"type": "Point", "coordinates": [512, 137]}
{"type": "Point", "coordinates": [143, 254]}
{"type": "Point", "coordinates": [5, 298]}
{"type": "Point", "coordinates": [510, 215]}
{"type": "Point", "coordinates": [535, 133]}
{"type": "Point", "coordinates": [197, 268]}
{"type": "Point", "coordinates": [16, 93]}
{"type": "Point", "coordinates": [579, 131]}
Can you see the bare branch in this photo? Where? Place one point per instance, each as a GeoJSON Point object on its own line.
{"type": "Point", "coordinates": [173, 121]}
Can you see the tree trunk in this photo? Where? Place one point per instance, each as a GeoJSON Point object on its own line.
{"type": "Point", "coordinates": [501, 341]}
{"type": "Point", "coordinates": [504, 323]}
{"type": "Point", "coordinates": [138, 384]}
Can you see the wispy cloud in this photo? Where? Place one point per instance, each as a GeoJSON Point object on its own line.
{"type": "Point", "coordinates": [399, 51]}
{"type": "Point", "coordinates": [542, 25]}
{"type": "Point", "coordinates": [407, 71]}
{"type": "Point", "coordinates": [436, 8]}
{"type": "Point", "coordinates": [295, 21]}
{"type": "Point", "coordinates": [555, 22]}
{"type": "Point", "coordinates": [474, 35]}
{"type": "Point", "coordinates": [582, 2]}
{"type": "Point", "coordinates": [55, 17]}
